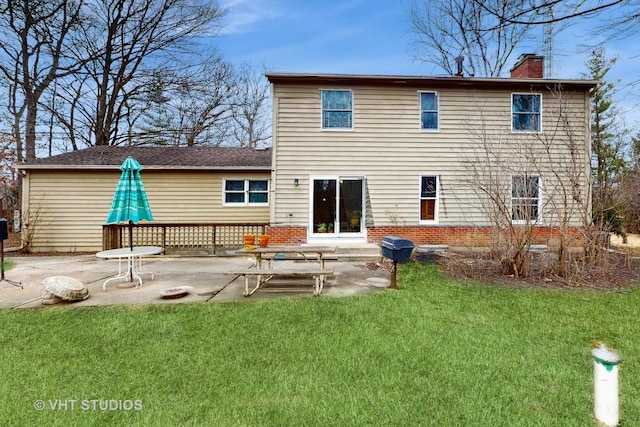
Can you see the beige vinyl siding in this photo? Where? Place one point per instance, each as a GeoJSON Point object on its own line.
{"type": "Point", "coordinates": [63, 212]}
{"type": "Point", "coordinates": [69, 208]}
{"type": "Point", "coordinates": [387, 146]}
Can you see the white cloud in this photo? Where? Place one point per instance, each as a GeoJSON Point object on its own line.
{"type": "Point", "coordinates": [245, 15]}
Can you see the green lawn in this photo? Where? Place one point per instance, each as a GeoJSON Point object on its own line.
{"type": "Point", "coordinates": [7, 265]}
{"type": "Point", "coordinates": [434, 352]}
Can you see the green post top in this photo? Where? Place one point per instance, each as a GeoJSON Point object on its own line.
{"type": "Point", "coordinates": [606, 357]}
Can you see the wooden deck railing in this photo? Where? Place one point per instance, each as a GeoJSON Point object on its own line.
{"type": "Point", "coordinates": [195, 238]}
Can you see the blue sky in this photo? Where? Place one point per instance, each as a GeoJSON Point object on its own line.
{"type": "Point", "coordinates": [331, 36]}
{"type": "Point", "coordinates": [375, 37]}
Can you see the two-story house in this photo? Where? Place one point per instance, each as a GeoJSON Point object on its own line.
{"type": "Point", "coordinates": [354, 158]}
{"type": "Point", "coordinates": [357, 157]}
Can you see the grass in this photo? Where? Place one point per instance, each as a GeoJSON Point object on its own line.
{"type": "Point", "coordinates": [434, 352]}
{"type": "Point", "coordinates": [7, 265]}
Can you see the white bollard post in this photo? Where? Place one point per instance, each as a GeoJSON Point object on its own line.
{"type": "Point", "coordinates": [605, 385]}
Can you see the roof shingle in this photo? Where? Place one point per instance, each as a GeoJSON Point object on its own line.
{"type": "Point", "coordinates": [158, 157]}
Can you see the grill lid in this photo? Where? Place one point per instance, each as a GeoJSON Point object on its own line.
{"type": "Point", "coordinates": [396, 243]}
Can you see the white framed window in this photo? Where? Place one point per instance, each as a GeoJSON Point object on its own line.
{"type": "Point", "coordinates": [429, 198]}
{"type": "Point", "coordinates": [246, 192]}
{"type": "Point", "coordinates": [429, 116]}
{"type": "Point", "coordinates": [525, 198]}
{"type": "Point", "coordinates": [337, 109]}
{"type": "Point", "coordinates": [526, 112]}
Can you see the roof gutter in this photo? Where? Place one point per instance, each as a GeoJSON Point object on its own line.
{"type": "Point", "coordinates": [411, 81]}
{"type": "Point", "coordinates": [27, 167]}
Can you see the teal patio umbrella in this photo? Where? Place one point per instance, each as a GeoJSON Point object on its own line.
{"type": "Point", "coordinates": [130, 200]}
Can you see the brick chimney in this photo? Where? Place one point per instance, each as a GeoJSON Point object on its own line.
{"type": "Point", "coordinates": [529, 66]}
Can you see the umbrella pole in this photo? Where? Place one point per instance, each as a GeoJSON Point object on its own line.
{"type": "Point", "coordinates": [131, 248]}
{"type": "Point", "coordinates": [131, 235]}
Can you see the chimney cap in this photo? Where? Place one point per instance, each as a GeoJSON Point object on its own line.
{"type": "Point", "coordinates": [525, 57]}
{"type": "Point", "coordinates": [529, 55]}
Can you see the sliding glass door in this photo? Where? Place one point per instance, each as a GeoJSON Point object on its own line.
{"type": "Point", "coordinates": [337, 206]}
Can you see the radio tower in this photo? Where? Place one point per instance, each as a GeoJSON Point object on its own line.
{"type": "Point", "coordinates": [548, 41]}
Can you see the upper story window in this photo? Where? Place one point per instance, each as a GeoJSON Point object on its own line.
{"type": "Point", "coordinates": [428, 110]}
{"type": "Point", "coordinates": [429, 199]}
{"type": "Point", "coordinates": [337, 109]}
{"type": "Point", "coordinates": [526, 111]}
{"type": "Point", "coordinates": [246, 192]}
{"type": "Point", "coordinates": [525, 198]}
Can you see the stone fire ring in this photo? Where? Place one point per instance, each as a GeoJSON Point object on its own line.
{"type": "Point", "coordinates": [66, 288]}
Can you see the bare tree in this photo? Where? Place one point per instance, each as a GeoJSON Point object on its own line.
{"type": "Point", "coordinates": [65, 103]}
{"type": "Point", "coordinates": [35, 40]}
{"type": "Point", "coordinates": [204, 104]}
{"type": "Point", "coordinates": [15, 107]}
{"type": "Point", "coordinates": [9, 196]}
{"type": "Point", "coordinates": [537, 179]}
{"type": "Point", "coordinates": [563, 159]}
{"type": "Point", "coordinates": [448, 29]}
{"type": "Point", "coordinates": [533, 12]}
{"type": "Point", "coordinates": [191, 106]}
{"type": "Point", "coordinates": [129, 38]}
{"type": "Point", "coordinates": [501, 173]}
{"type": "Point", "coordinates": [251, 115]}
{"type": "Point", "coordinates": [211, 103]}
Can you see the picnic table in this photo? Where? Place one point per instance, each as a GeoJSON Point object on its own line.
{"type": "Point", "coordinates": [309, 254]}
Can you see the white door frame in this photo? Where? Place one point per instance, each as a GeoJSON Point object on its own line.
{"type": "Point", "coordinates": [343, 236]}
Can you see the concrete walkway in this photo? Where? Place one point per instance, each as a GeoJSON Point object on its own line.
{"type": "Point", "coordinates": [205, 274]}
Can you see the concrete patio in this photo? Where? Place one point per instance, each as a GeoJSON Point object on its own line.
{"type": "Point", "coordinates": [204, 274]}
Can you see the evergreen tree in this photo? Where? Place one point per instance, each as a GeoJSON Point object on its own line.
{"type": "Point", "coordinates": [607, 145]}
{"type": "Point", "coordinates": [630, 189]}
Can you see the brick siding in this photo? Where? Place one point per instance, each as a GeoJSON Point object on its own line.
{"type": "Point", "coordinates": [452, 236]}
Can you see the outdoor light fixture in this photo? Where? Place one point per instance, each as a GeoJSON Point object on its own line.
{"type": "Point", "coordinates": [295, 181]}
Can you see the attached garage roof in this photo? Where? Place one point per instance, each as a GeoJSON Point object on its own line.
{"type": "Point", "coordinates": [160, 158]}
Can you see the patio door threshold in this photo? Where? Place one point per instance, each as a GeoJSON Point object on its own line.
{"type": "Point", "coordinates": [336, 240]}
